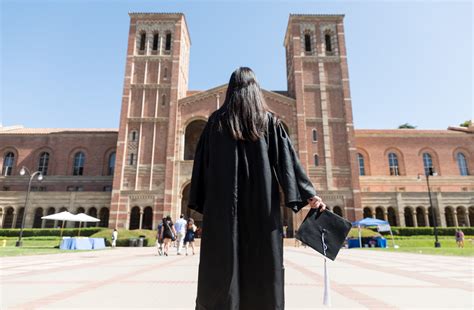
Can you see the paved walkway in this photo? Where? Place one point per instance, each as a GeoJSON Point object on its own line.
{"type": "Point", "coordinates": [136, 278]}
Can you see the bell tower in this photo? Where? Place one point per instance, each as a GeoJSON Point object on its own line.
{"type": "Point", "coordinates": [318, 79]}
{"type": "Point", "coordinates": [156, 77]}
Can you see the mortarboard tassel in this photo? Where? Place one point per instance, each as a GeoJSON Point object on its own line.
{"type": "Point", "coordinates": [327, 288]}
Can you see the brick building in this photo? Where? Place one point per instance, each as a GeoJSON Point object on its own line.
{"type": "Point", "coordinates": [133, 176]}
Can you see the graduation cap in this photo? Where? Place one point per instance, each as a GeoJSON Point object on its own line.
{"type": "Point", "coordinates": [325, 232]}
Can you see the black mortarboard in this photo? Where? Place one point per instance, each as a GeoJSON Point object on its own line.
{"type": "Point", "coordinates": [324, 228]}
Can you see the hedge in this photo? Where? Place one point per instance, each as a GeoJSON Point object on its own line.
{"type": "Point", "coordinates": [34, 232]}
{"type": "Point", "coordinates": [414, 231]}
{"type": "Point", "coordinates": [124, 235]}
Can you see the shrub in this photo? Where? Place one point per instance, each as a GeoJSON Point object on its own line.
{"type": "Point", "coordinates": [35, 232]}
{"type": "Point", "coordinates": [124, 235]}
{"type": "Point", "coordinates": [427, 231]}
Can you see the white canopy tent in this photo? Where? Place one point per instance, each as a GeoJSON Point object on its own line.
{"type": "Point", "coordinates": [67, 216]}
{"type": "Point", "coordinates": [61, 216]}
{"type": "Point", "coordinates": [82, 217]}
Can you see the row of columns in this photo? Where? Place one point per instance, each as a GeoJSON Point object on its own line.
{"type": "Point", "coordinates": [426, 214]}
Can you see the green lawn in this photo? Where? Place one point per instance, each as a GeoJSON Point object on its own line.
{"type": "Point", "coordinates": [31, 246]}
{"type": "Point", "coordinates": [425, 245]}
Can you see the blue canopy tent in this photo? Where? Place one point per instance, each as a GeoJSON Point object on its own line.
{"type": "Point", "coordinates": [381, 226]}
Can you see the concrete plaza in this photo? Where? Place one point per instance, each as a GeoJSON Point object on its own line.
{"type": "Point", "coordinates": [136, 278]}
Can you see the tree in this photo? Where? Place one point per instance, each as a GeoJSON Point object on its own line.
{"type": "Point", "coordinates": [406, 126]}
{"type": "Point", "coordinates": [466, 123]}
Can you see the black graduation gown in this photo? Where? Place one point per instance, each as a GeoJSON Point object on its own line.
{"type": "Point", "coordinates": [235, 186]}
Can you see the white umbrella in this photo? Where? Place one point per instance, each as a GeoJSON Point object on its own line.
{"type": "Point", "coordinates": [61, 216]}
{"type": "Point", "coordinates": [82, 217]}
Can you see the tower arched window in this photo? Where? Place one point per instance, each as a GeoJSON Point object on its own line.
{"type": "Point", "coordinates": [79, 159]}
{"type": "Point", "coordinates": [142, 41]}
{"type": "Point", "coordinates": [163, 99]}
{"type": "Point", "coordinates": [360, 159]}
{"type": "Point", "coordinates": [165, 74]}
{"type": "Point", "coordinates": [428, 163]}
{"type": "Point", "coordinates": [168, 42]}
{"type": "Point", "coordinates": [307, 42]}
{"type": "Point", "coordinates": [133, 136]}
{"type": "Point", "coordinates": [132, 159]}
{"type": "Point", "coordinates": [328, 43]}
{"type": "Point", "coordinates": [462, 164]}
{"type": "Point", "coordinates": [316, 160]}
{"type": "Point", "coordinates": [43, 163]}
{"type": "Point", "coordinates": [155, 41]}
{"type": "Point", "coordinates": [315, 135]}
{"type": "Point", "coordinates": [393, 164]}
{"type": "Point", "coordinates": [111, 164]}
{"type": "Point", "coordinates": [8, 162]}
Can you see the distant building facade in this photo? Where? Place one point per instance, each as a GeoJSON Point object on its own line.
{"type": "Point", "coordinates": [133, 176]}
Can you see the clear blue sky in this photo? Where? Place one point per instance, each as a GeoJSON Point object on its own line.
{"type": "Point", "coordinates": [409, 61]}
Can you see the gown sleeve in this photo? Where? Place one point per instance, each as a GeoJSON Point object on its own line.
{"type": "Point", "coordinates": [197, 193]}
{"type": "Point", "coordinates": [291, 176]}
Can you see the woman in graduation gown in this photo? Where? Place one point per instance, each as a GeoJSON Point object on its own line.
{"type": "Point", "coordinates": [243, 155]}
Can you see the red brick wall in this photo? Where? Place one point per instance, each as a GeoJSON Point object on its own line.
{"type": "Point", "coordinates": [97, 146]}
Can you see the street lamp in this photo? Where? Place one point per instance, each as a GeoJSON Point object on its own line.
{"type": "Point", "coordinates": [433, 215]}
{"type": "Point", "coordinates": [39, 175]}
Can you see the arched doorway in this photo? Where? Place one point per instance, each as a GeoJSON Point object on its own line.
{"type": "Point", "coordinates": [92, 212]}
{"type": "Point", "coordinates": [392, 216]}
{"type": "Point", "coordinates": [430, 217]}
{"type": "Point", "coordinates": [367, 212]}
{"type": "Point", "coordinates": [449, 214]}
{"type": "Point", "coordinates": [37, 220]}
{"type": "Point", "coordinates": [420, 217]}
{"type": "Point", "coordinates": [191, 138]}
{"type": "Point", "coordinates": [147, 221]}
{"type": "Point", "coordinates": [408, 213]}
{"type": "Point", "coordinates": [104, 217]}
{"type": "Point", "coordinates": [462, 216]}
{"type": "Point", "coordinates": [134, 218]}
{"type": "Point", "coordinates": [50, 223]}
{"type": "Point", "coordinates": [8, 218]}
{"type": "Point", "coordinates": [337, 210]}
{"type": "Point", "coordinates": [189, 213]}
{"type": "Point", "coordinates": [19, 217]}
{"type": "Point", "coordinates": [379, 213]}
{"type": "Point", "coordinates": [471, 216]}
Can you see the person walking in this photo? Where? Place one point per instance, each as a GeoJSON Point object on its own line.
{"type": "Point", "coordinates": [190, 232]}
{"type": "Point", "coordinates": [159, 238]}
{"type": "Point", "coordinates": [460, 238]}
{"type": "Point", "coordinates": [180, 227]}
{"type": "Point", "coordinates": [114, 237]}
{"type": "Point", "coordinates": [168, 234]}
{"type": "Point", "coordinates": [242, 157]}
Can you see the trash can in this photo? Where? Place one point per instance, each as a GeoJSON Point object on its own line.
{"type": "Point", "coordinates": [140, 242]}
{"type": "Point", "coordinates": [132, 242]}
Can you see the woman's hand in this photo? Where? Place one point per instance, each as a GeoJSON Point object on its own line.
{"type": "Point", "coordinates": [317, 202]}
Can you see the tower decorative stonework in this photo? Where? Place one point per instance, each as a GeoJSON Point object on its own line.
{"type": "Point", "coordinates": [156, 77]}
{"type": "Point", "coordinates": [318, 79]}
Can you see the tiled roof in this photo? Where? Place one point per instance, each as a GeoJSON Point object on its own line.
{"type": "Point", "coordinates": [408, 132]}
{"type": "Point", "coordinates": [318, 15]}
{"type": "Point", "coordinates": [42, 131]}
{"type": "Point", "coordinates": [155, 13]}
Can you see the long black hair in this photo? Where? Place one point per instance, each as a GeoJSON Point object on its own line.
{"type": "Point", "coordinates": [244, 109]}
